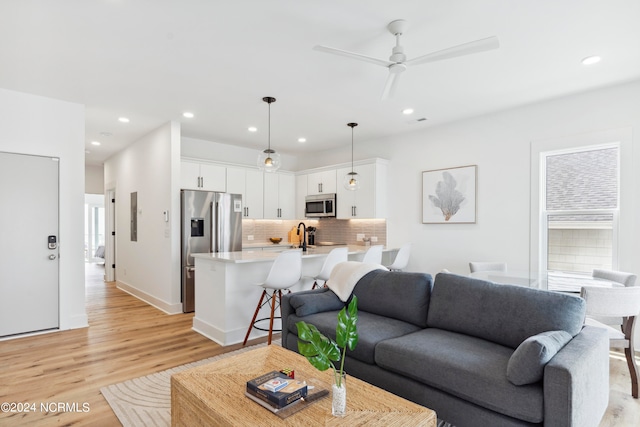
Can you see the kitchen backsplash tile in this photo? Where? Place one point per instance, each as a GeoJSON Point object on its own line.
{"type": "Point", "coordinates": [328, 230]}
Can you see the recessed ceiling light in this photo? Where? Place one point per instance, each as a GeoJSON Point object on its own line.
{"type": "Point", "coordinates": [252, 129]}
{"type": "Point", "coordinates": [302, 139]}
{"type": "Point", "coordinates": [95, 143]}
{"type": "Point", "coordinates": [188, 115]}
{"type": "Point", "coordinates": [123, 120]}
{"type": "Point", "coordinates": [590, 60]}
{"type": "Point", "coordinates": [407, 111]}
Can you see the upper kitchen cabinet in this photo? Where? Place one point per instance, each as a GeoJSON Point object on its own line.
{"type": "Point", "coordinates": [279, 196]}
{"type": "Point", "coordinates": [369, 201]}
{"type": "Point", "coordinates": [321, 182]}
{"type": "Point", "coordinates": [301, 194]}
{"type": "Point", "coordinates": [202, 176]}
{"type": "Point", "coordinates": [249, 183]}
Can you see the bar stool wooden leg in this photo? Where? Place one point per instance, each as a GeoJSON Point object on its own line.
{"type": "Point", "coordinates": [273, 309]}
{"type": "Point", "coordinates": [246, 337]}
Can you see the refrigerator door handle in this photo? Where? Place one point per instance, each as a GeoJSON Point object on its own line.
{"type": "Point", "coordinates": [213, 238]}
{"type": "Point", "coordinates": [217, 227]}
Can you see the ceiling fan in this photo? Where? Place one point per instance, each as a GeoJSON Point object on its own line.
{"type": "Point", "coordinates": [398, 62]}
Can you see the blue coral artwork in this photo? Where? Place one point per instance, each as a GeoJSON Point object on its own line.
{"type": "Point", "coordinates": [449, 195]}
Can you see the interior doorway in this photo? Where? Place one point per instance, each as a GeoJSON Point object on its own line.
{"type": "Point", "coordinates": [94, 228]}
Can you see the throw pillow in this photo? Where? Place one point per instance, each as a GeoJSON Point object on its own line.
{"type": "Point", "coordinates": [526, 365]}
{"type": "Point", "coordinates": [315, 302]}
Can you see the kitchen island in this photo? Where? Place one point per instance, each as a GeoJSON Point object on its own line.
{"type": "Point", "coordinates": [226, 291]}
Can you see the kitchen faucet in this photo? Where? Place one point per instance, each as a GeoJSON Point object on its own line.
{"type": "Point", "coordinates": [304, 236]}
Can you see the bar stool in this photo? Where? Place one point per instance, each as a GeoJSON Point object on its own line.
{"type": "Point", "coordinates": [373, 255]}
{"type": "Point", "coordinates": [285, 272]}
{"type": "Point", "coordinates": [335, 256]}
{"type": "Point", "coordinates": [402, 258]}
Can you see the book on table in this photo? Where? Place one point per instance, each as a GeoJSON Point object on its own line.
{"type": "Point", "coordinates": [276, 389]}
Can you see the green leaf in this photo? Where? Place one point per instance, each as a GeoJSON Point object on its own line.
{"type": "Point", "coordinates": [346, 332]}
{"type": "Point", "coordinates": [319, 350]}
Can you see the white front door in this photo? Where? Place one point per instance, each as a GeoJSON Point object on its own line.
{"type": "Point", "coordinates": [29, 244]}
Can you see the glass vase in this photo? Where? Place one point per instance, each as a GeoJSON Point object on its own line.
{"type": "Point", "coordinates": [339, 396]}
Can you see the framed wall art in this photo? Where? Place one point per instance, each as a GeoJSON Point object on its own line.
{"type": "Point", "coordinates": [449, 195]}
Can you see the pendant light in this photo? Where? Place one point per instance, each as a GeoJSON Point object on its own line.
{"type": "Point", "coordinates": [269, 160]}
{"type": "Point", "coordinates": [352, 179]}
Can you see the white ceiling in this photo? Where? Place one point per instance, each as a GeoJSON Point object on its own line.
{"type": "Point", "coordinates": [151, 60]}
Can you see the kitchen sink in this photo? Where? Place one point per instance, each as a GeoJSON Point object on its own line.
{"type": "Point", "coordinates": [330, 244]}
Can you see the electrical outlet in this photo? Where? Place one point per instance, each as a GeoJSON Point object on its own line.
{"type": "Point", "coordinates": [374, 239]}
{"type": "Point", "coordinates": [359, 237]}
{"type": "Point", "coordinates": [250, 237]}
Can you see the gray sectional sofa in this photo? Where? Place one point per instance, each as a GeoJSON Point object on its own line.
{"type": "Point", "coordinates": [476, 352]}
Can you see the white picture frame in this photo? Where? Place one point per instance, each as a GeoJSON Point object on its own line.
{"type": "Point", "coordinates": [449, 196]}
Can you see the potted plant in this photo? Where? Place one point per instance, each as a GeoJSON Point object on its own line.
{"type": "Point", "coordinates": [323, 352]}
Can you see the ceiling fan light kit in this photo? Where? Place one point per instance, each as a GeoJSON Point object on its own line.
{"type": "Point", "coordinates": [398, 63]}
{"type": "Point", "coordinates": [269, 160]}
{"type": "Point", "coordinates": [352, 179]}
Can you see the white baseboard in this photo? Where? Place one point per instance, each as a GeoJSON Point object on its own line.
{"type": "Point", "coordinates": [168, 308]}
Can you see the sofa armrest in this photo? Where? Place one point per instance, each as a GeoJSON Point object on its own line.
{"type": "Point", "coordinates": [305, 303]}
{"type": "Point", "coordinates": [576, 381]}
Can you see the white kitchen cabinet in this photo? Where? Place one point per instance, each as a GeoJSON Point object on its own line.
{"type": "Point", "coordinates": [202, 176]}
{"type": "Point", "coordinates": [301, 194]}
{"type": "Point", "coordinates": [321, 182]}
{"type": "Point", "coordinates": [279, 196]}
{"type": "Point", "coordinates": [249, 183]}
{"type": "Point", "coordinates": [369, 201]}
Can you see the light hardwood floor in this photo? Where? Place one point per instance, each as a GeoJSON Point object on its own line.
{"type": "Point", "coordinates": [128, 338]}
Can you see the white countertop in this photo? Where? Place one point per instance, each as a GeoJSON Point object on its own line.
{"type": "Point", "coordinates": [261, 256]}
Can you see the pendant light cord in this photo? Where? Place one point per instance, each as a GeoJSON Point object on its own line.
{"type": "Point", "coordinates": [352, 125]}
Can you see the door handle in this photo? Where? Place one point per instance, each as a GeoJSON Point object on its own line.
{"type": "Point", "coordinates": [52, 257]}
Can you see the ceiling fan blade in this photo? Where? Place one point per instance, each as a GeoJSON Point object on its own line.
{"type": "Point", "coordinates": [390, 85]}
{"type": "Point", "coordinates": [481, 45]}
{"type": "Point", "coordinates": [352, 55]}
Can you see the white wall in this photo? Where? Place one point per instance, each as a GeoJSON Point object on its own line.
{"type": "Point", "coordinates": [94, 179]}
{"type": "Point", "coordinates": [500, 145]}
{"type": "Point", "coordinates": [149, 267]}
{"type": "Point", "coordinates": [201, 149]}
{"type": "Point", "coordinates": [47, 127]}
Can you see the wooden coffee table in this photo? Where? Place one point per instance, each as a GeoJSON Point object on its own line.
{"type": "Point", "coordinates": [213, 394]}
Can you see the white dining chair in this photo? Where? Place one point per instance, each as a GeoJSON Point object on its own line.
{"type": "Point", "coordinates": [402, 258]}
{"type": "Point", "coordinates": [373, 255]}
{"type": "Point", "coordinates": [285, 272]}
{"type": "Point", "coordinates": [334, 257]}
{"type": "Point", "coordinates": [627, 279]}
{"type": "Point", "coordinates": [623, 303]}
{"type": "Point", "coordinates": [487, 266]}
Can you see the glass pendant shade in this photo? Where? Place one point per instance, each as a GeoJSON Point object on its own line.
{"type": "Point", "coordinates": [269, 160]}
{"type": "Point", "coordinates": [351, 180]}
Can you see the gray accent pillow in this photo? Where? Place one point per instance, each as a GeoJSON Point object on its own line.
{"type": "Point", "coordinates": [316, 301]}
{"type": "Point", "coordinates": [526, 365]}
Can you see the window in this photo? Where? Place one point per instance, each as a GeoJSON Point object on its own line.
{"type": "Point", "coordinates": [580, 202]}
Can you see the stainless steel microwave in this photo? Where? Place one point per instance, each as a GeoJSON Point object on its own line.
{"type": "Point", "coordinates": [320, 206]}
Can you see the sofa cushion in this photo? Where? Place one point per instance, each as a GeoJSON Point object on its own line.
{"type": "Point", "coordinates": [395, 294]}
{"type": "Point", "coordinates": [470, 368]}
{"type": "Point", "coordinates": [318, 300]}
{"type": "Point", "coordinates": [371, 330]}
{"type": "Point", "coordinates": [504, 314]}
{"type": "Point", "coordinates": [526, 365]}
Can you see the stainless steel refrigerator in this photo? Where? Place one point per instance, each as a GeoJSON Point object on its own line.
{"type": "Point", "coordinates": [211, 222]}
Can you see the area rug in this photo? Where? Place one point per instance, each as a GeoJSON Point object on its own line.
{"type": "Point", "coordinates": [146, 401]}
